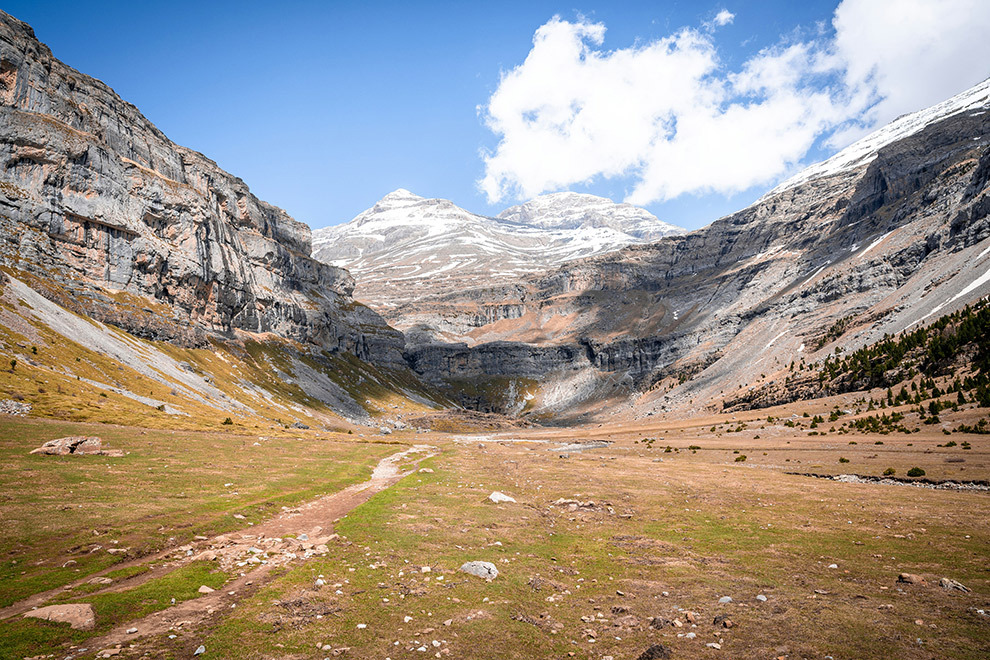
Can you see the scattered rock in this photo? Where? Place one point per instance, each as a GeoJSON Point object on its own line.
{"type": "Point", "coordinates": [951, 585]}
{"type": "Point", "coordinates": [723, 620]}
{"type": "Point", "coordinates": [16, 408]}
{"type": "Point", "coordinates": [299, 425]}
{"type": "Point", "coordinates": [656, 652]}
{"type": "Point", "coordinates": [627, 621]}
{"type": "Point", "coordinates": [761, 598]}
{"type": "Point", "coordinates": [725, 599]}
{"type": "Point", "coordinates": [205, 590]}
{"type": "Point", "coordinates": [714, 645]}
{"type": "Point", "coordinates": [482, 569]}
{"type": "Point", "coordinates": [911, 578]}
{"type": "Point", "coordinates": [131, 631]}
{"type": "Point", "coordinates": [80, 616]}
{"type": "Point", "coordinates": [426, 470]}
{"type": "Point", "coordinates": [498, 497]}
{"type": "Point", "coordinates": [200, 650]}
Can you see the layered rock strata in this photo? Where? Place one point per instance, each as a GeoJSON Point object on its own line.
{"type": "Point", "coordinates": [114, 220]}
{"type": "Point", "coordinates": [894, 238]}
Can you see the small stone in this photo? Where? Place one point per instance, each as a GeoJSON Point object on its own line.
{"type": "Point", "coordinates": [131, 631]}
{"type": "Point", "coordinates": [910, 578]}
{"type": "Point", "coordinates": [498, 497]}
{"type": "Point", "coordinates": [833, 565]}
{"type": "Point", "coordinates": [714, 645]}
{"type": "Point", "coordinates": [690, 635]}
{"type": "Point", "coordinates": [200, 650]}
{"type": "Point", "coordinates": [205, 590]}
{"type": "Point", "coordinates": [761, 598]}
{"type": "Point", "coordinates": [655, 652]}
{"type": "Point", "coordinates": [951, 585]}
{"type": "Point", "coordinates": [725, 599]}
{"type": "Point", "coordinates": [303, 537]}
{"type": "Point", "coordinates": [482, 569]}
{"type": "Point", "coordinates": [362, 626]}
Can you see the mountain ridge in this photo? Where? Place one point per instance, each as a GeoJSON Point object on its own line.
{"type": "Point", "coordinates": [406, 246]}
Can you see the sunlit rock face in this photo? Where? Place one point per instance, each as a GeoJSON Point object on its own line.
{"type": "Point", "coordinates": [97, 201]}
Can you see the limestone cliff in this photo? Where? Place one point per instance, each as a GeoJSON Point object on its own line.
{"type": "Point", "coordinates": [829, 261]}
{"type": "Point", "coordinates": [114, 220]}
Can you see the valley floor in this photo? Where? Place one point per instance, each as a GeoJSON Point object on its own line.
{"type": "Point", "coordinates": [629, 540]}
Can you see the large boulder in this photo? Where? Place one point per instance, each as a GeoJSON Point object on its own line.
{"type": "Point", "coordinates": [73, 444]}
{"type": "Point", "coordinates": [78, 615]}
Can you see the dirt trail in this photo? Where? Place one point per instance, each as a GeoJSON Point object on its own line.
{"type": "Point", "coordinates": [252, 551]}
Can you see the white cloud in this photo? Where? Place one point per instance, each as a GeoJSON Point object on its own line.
{"type": "Point", "coordinates": [666, 115]}
{"type": "Point", "coordinates": [912, 53]}
{"type": "Point", "coordinates": [724, 17]}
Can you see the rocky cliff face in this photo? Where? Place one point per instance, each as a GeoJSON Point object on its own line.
{"type": "Point", "coordinates": [114, 220]}
{"type": "Point", "coordinates": [884, 240]}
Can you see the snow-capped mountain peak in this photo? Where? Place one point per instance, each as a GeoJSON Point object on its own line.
{"type": "Point", "coordinates": [407, 246]}
{"type": "Point", "coordinates": [570, 210]}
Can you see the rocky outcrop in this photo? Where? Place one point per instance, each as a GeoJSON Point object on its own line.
{"type": "Point", "coordinates": [114, 220]}
{"type": "Point", "coordinates": [76, 445]}
{"type": "Point", "coordinates": [696, 320]}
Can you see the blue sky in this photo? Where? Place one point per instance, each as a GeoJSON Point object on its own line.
{"type": "Point", "coordinates": [324, 107]}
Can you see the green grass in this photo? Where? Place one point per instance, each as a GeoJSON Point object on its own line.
{"type": "Point", "coordinates": [167, 489]}
{"type": "Point", "coordinates": [690, 535]}
{"type": "Point", "coordinates": [20, 637]}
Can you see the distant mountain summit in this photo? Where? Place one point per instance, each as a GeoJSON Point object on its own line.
{"type": "Point", "coordinates": [570, 210]}
{"type": "Point", "coordinates": [407, 246]}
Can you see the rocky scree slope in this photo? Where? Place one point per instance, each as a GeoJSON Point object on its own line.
{"type": "Point", "coordinates": [892, 233]}
{"type": "Point", "coordinates": [102, 213]}
{"type": "Point", "coordinates": [407, 247]}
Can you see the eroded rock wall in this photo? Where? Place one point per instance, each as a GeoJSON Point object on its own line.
{"type": "Point", "coordinates": [99, 203]}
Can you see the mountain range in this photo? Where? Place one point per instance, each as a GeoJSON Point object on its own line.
{"type": "Point", "coordinates": [406, 247]}
{"type": "Point", "coordinates": [185, 295]}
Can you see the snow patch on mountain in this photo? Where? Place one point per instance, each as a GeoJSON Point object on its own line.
{"type": "Point", "coordinates": [569, 210]}
{"type": "Point", "coordinates": [864, 151]}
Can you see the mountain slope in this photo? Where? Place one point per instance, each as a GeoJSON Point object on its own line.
{"type": "Point", "coordinates": [893, 238]}
{"type": "Point", "coordinates": [112, 222]}
{"type": "Point", "coordinates": [407, 247]}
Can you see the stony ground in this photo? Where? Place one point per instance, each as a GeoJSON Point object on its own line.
{"type": "Point", "coordinates": [607, 551]}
